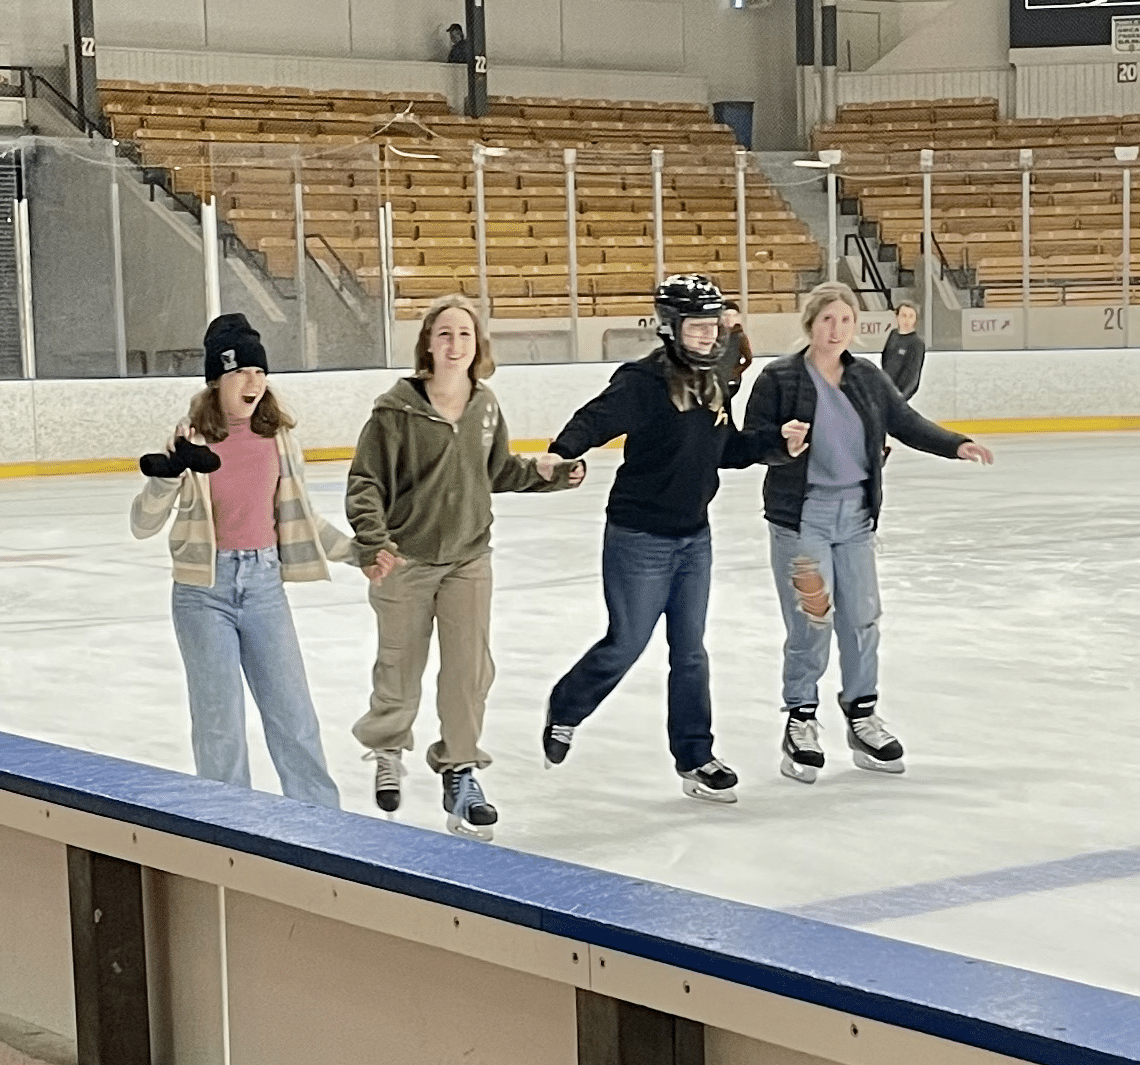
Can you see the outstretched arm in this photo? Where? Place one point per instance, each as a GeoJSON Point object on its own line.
{"type": "Point", "coordinates": [909, 427]}
{"type": "Point", "coordinates": [513, 473]}
{"type": "Point", "coordinates": [618, 410]}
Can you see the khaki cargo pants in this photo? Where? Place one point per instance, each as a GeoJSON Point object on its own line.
{"type": "Point", "coordinates": [456, 597]}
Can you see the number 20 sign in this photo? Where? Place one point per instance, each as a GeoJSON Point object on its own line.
{"type": "Point", "coordinates": [1126, 73]}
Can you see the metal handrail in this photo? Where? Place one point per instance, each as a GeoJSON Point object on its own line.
{"type": "Point", "coordinates": [870, 269]}
{"type": "Point", "coordinates": [232, 245]}
{"type": "Point", "coordinates": [344, 273]}
{"type": "Point", "coordinates": [30, 80]}
{"type": "Point", "coordinates": [944, 265]}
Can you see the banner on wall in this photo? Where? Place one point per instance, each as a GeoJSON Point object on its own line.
{"type": "Point", "coordinates": [1066, 23]}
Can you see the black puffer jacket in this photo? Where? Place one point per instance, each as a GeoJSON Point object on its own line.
{"type": "Point", "coordinates": [785, 391]}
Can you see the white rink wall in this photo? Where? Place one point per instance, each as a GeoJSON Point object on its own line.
{"type": "Point", "coordinates": [82, 420]}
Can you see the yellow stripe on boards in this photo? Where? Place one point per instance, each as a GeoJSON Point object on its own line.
{"type": "Point", "coordinates": [1097, 424]}
{"type": "Point", "coordinates": [1108, 424]}
{"type": "Point", "coordinates": [73, 466]}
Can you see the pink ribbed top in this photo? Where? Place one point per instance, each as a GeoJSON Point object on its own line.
{"type": "Point", "coordinates": [244, 488]}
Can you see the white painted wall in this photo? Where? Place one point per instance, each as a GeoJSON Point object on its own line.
{"type": "Point", "coordinates": [869, 29]}
{"type": "Point", "coordinates": [966, 34]}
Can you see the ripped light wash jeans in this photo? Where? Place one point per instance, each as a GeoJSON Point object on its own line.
{"type": "Point", "coordinates": [836, 541]}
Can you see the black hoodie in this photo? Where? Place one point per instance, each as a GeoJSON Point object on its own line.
{"type": "Point", "coordinates": [669, 475]}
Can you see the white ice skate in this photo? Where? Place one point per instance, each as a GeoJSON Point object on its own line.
{"type": "Point", "coordinates": [803, 756]}
{"type": "Point", "coordinates": [712, 782]}
{"type": "Point", "coordinates": [873, 747]}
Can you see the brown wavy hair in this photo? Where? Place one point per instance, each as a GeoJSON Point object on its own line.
{"type": "Point", "coordinates": [207, 416]}
{"type": "Point", "coordinates": [483, 365]}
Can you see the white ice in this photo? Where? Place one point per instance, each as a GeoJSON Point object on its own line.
{"type": "Point", "coordinates": [1009, 670]}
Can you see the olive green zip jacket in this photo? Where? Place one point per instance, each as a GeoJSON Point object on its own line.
{"type": "Point", "coordinates": [425, 484]}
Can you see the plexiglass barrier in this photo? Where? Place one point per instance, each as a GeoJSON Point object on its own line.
{"type": "Point", "coordinates": [335, 250]}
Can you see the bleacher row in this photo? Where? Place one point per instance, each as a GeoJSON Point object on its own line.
{"type": "Point", "coordinates": [1076, 244]}
{"type": "Point", "coordinates": [248, 146]}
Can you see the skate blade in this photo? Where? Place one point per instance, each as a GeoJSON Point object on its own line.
{"type": "Point", "coordinates": [805, 774]}
{"type": "Point", "coordinates": [458, 827]}
{"type": "Point", "coordinates": [696, 791]}
{"type": "Point", "coordinates": [865, 761]}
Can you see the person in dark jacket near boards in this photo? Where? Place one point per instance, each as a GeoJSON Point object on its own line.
{"type": "Point", "coordinates": [673, 408]}
{"type": "Point", "coordinates": [823, 509]}
{"type": "Point", "coordinates": [737, 355]}
{"type": "Point", "coordinates": [904, 352]}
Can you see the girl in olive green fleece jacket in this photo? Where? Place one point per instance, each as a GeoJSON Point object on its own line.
{"type": "Point", "coordinates": [428, 459]}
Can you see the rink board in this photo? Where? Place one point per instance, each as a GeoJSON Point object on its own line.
{"type": "Point", "coordinates": [489, 945]}
{"type": "Point", "coordinates": [973, 391]}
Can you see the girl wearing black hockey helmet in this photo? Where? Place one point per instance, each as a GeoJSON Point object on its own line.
{"type": "Point", "coordinates": [673, 408]}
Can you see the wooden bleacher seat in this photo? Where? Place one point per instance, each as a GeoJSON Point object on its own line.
{"type": "Point", "coordinates": [247, 144]}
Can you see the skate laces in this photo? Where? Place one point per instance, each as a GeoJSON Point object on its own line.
{"type": "Point", "coordinates": [562, 733]}
{"type": "Point", "coordinates": [389, 768]}
{"type": "Point", "coordinates": [871, 731]}
{"type": "Point", "coordinates": [714, 766]}
{"type": "Point", "coordinates": [804, 734]}
{"type": "Point", "coordinates": [465, 791]}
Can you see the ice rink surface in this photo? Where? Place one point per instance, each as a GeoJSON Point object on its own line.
{"type": "Point", "coordinates": [1009, 670]}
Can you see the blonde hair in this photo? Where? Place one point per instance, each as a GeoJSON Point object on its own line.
{"type": "Point", "coordinates": [821, 296]}
{"type": "Point", "coordinates": [483, 365]}
{"type": "Point", "coordinates": [207, 416]}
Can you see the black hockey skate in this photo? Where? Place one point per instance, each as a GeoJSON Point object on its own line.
{"type": "Point", "coordinates": [803, 756]}
{"type": "Point", "coordinates": [713, 782]}
{"type": "Point", "coordinates": [389, 770]}
{"type": "Point", "coordinates": [872, 746]}
{"type": "Point", "coordinates": [469, 814]}
{"type": "Point", "coordinates": [556, 742]}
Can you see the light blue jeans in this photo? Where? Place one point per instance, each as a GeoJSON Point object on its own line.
{"type": "Point", "coordinates": [836, 541]}
{"type": "Point", "coordinates": [243, 624]}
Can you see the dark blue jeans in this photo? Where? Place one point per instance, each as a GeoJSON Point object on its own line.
{"type": "Point", "coordinates": [643, 577]}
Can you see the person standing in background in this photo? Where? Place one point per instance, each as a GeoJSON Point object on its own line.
{"type": "Point", "coordinates": [904, 351]}
{"type": "Point", "coordinates": [737, 355]}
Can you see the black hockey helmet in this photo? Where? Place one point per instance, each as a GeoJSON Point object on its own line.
{"type": "Point", "coordinates": [682, 296]}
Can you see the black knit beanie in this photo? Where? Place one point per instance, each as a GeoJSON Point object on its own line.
{"type": "Point", "coordinates": [231, 343]}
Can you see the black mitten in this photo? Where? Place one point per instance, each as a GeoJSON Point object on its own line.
{"type": "Point", "coordinates": [185, 456]}
{"type": "Point", "coordinates": [162, 464]}
{"type": "Point", "coordinates": [196, 457]}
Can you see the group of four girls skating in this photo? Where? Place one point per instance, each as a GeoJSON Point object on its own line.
{"type": "Point", "coordinates": [436, 447]}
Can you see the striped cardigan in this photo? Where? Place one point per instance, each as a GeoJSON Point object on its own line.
{"type": "Point", "coordinates": [305, 541]}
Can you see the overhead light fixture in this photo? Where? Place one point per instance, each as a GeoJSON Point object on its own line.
{"type": "Point", "coordinates": [1126, 153]}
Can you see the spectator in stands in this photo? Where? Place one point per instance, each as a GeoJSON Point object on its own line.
{"type": "Point", "coordinates": [737, 349]}
{"type": "Point", "coordinates": [428, 459]}
{"type": "Point", "coordinates": [459, 49]}
{"type": "Point", "coordinates": [822, 511]}
{"type": "Point", "coordinates": [243, 524]}
{"type": "Point", "coordinates": [673, 409]}
{"type": "Point", "coordinates": [903, 351]}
